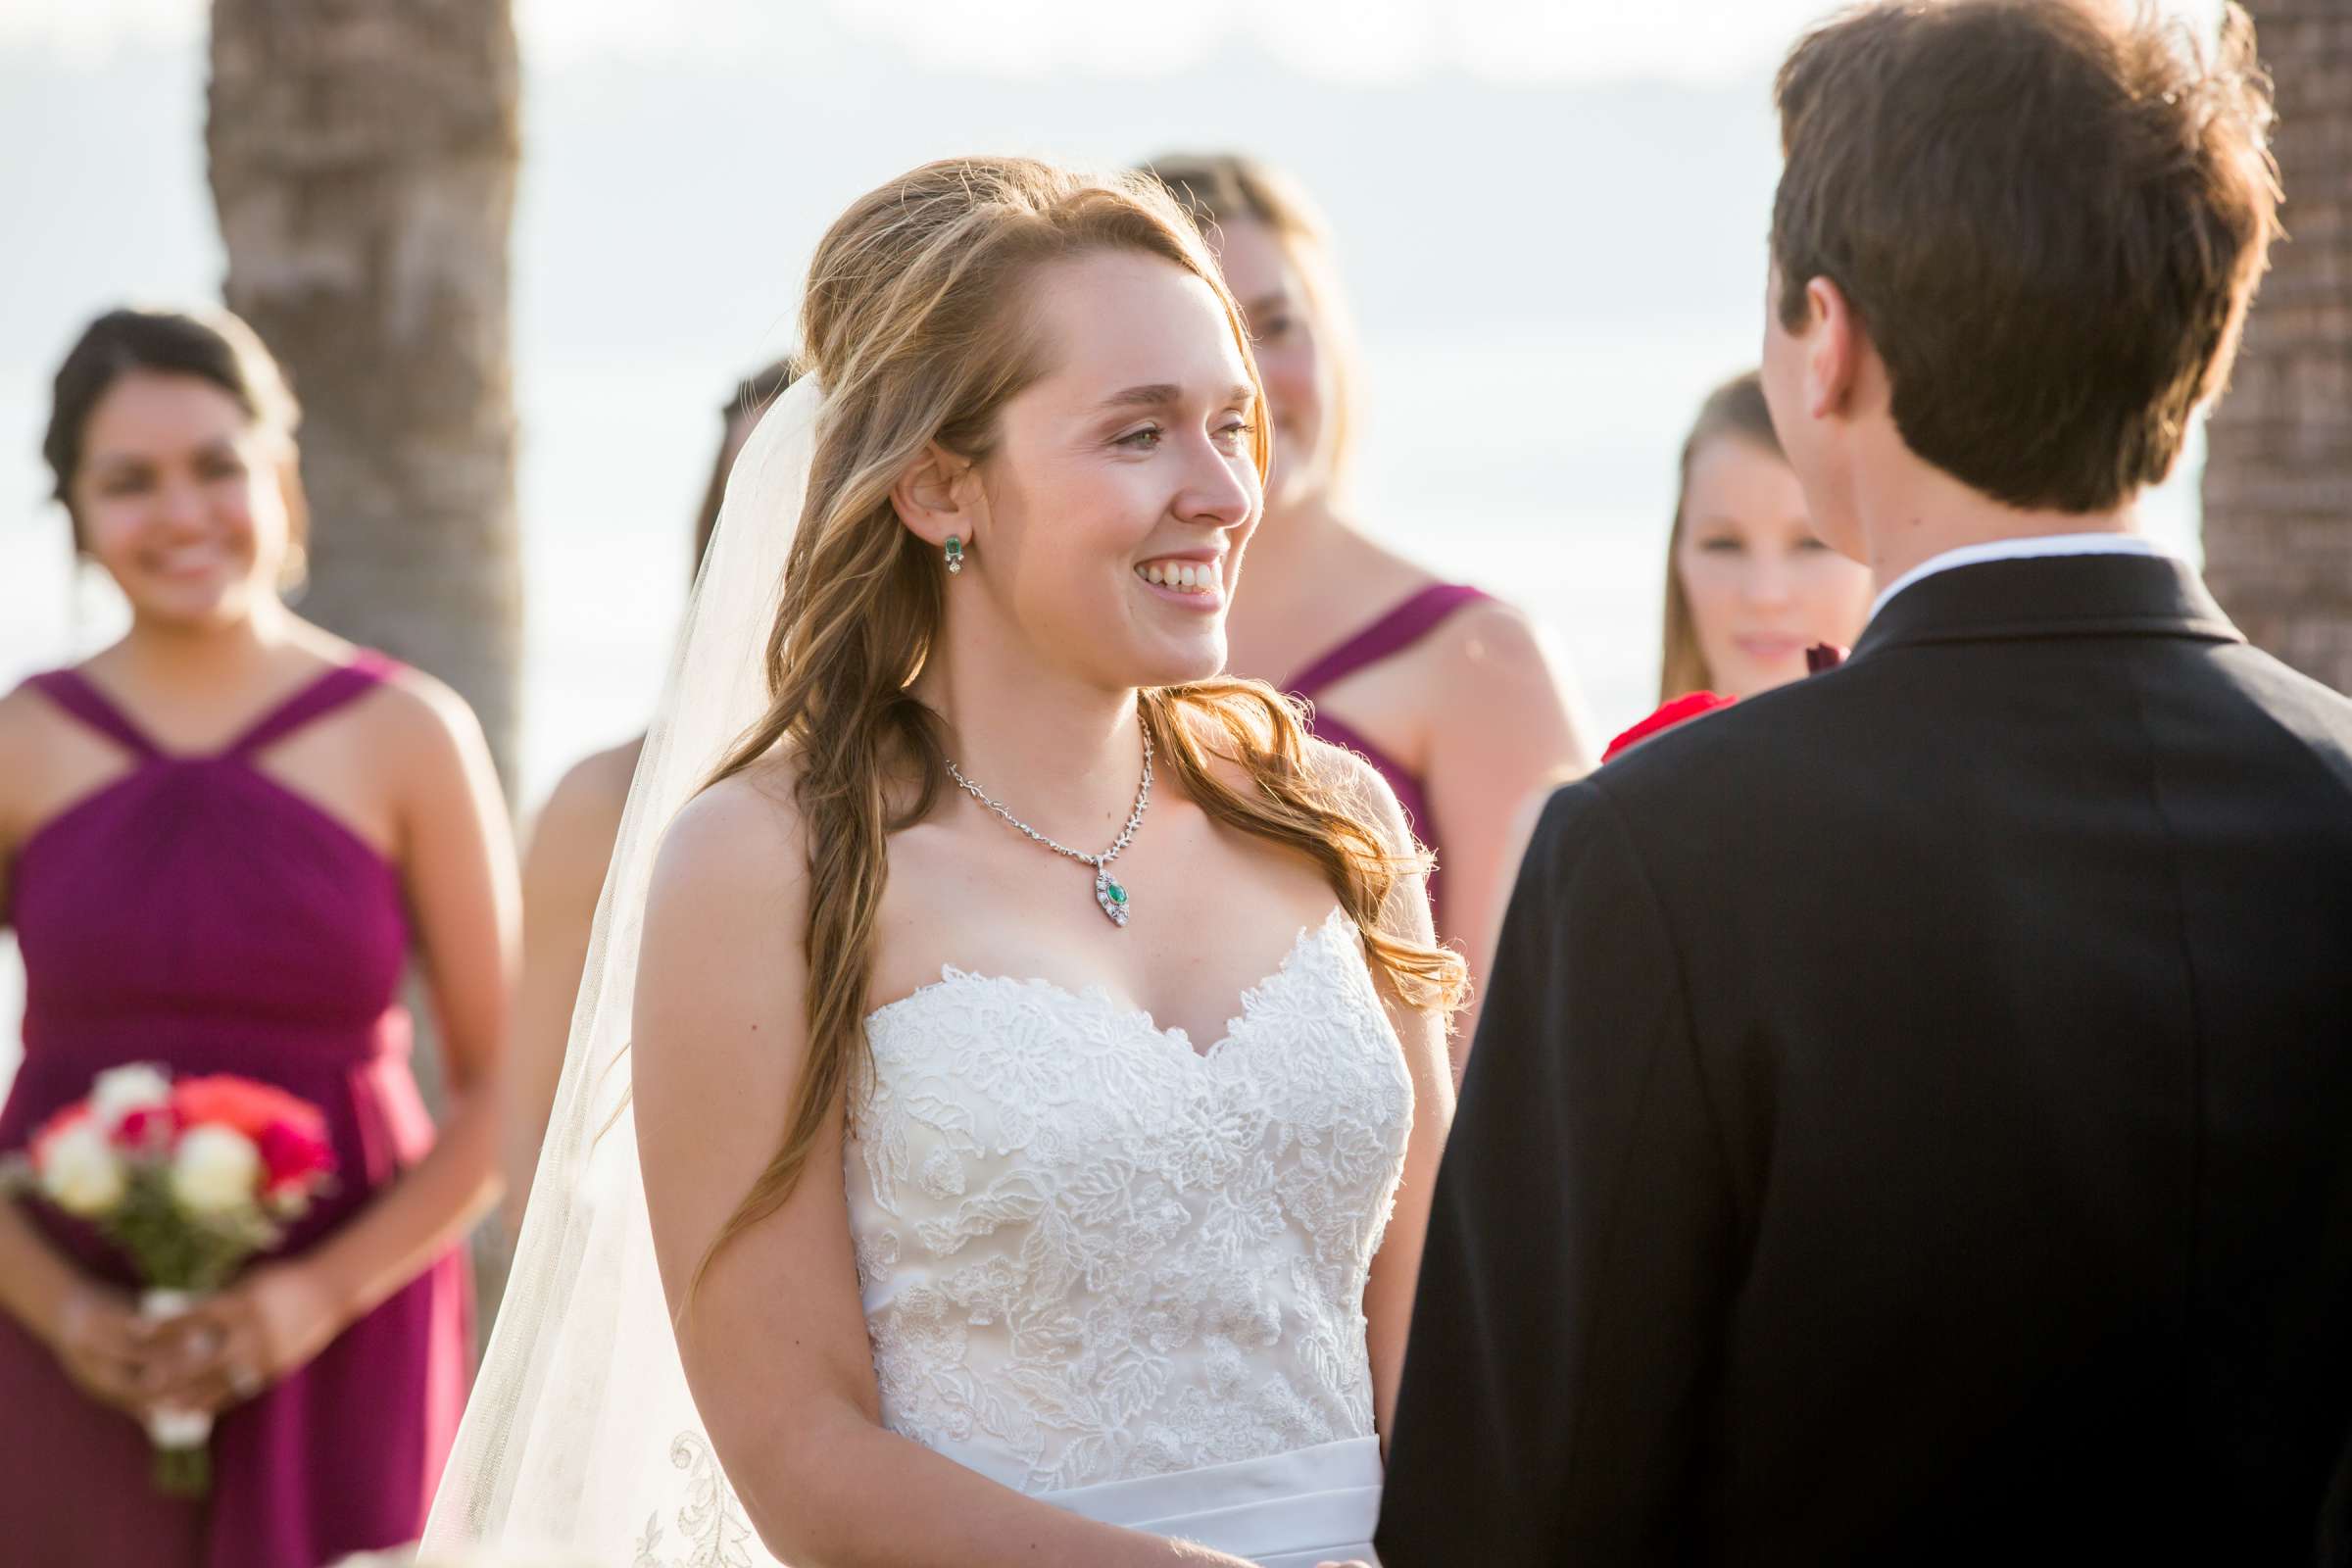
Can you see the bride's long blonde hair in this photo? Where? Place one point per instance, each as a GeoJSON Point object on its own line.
{"type": "Point", "coordinates": [915, 325]}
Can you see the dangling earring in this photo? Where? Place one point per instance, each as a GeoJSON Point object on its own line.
{"type": "Point", "coordinates": [955, 554]}
{"type": "Point", "coordinates": [294, 575]}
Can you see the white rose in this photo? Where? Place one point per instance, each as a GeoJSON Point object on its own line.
{"type": "Point", "coordinates": [80, 1172]}
{"type": "Point", "coordinates": [215, 1171]}
{"type": "Point", "coordinates": [120, 1091]}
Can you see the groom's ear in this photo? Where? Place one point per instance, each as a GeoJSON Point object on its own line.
{"type": "Point", "coordinates": [1835, 345]}
{"type": "Point", "coordinates": [934, 496]}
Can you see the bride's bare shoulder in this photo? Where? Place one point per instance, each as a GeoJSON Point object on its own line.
{"type": "Point", "coordinates": [719, 973]}
{"type": "Point", "coordinates": [736, 848]}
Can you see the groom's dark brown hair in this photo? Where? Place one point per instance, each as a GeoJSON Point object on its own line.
{"type": "Point", "coordinates": [2049, 216]}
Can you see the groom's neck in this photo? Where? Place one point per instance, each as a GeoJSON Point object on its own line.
{"type": "Point", "coordinates": [1909, 512]}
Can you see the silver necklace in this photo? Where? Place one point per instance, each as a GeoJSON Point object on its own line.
{"type": "Point", "coordinates": [1110, 894]}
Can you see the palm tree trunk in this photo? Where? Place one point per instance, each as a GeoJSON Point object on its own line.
{"type": "Point", "coordinates": [2278, 476]}
{"type": "Point", "coordinates": [364, 155]}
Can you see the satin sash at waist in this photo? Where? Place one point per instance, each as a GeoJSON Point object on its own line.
{"type": "Point", "coordinates": [1286, 1510]}
{"type": "Point", "coordinates": [192, 1040]}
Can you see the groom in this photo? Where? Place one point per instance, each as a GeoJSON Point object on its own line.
{"type": "Point", "coordinates": [1912, 1116]}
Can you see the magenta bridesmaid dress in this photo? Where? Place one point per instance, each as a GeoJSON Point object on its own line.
{"type": "Point", "coordinates": [196, 912]}
{"type": "Point", "coordinates": [1391, 633]}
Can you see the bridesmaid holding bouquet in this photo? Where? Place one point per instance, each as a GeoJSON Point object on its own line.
{"type": "Point", "coordinates": [221, 840]}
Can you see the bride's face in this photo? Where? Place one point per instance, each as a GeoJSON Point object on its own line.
{"type": "Point", "coordinates": [1122, 487]}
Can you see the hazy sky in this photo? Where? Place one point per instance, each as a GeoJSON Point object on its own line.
{"type": "Point", "coordinates": [1550, 215]}
{"type": "Point", "coordinates": [1361, 41]}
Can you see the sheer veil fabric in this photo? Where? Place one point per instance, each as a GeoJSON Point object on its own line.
{"type": "Point", "coordinates": [581, 1436]}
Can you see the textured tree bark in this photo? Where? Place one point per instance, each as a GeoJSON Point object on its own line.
{"type": "Point", "coordinates": [364, 155]}
{"type": "Point", "coordinates": [2279, 478]}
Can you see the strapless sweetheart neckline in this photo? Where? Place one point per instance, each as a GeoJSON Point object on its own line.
{"type": "Point", "coordinates": [1096, 995]}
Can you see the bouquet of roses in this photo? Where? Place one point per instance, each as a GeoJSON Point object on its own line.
{"type": "Point", "coordinates": [190, 1178]}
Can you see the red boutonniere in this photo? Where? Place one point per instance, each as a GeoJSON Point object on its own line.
{"type": "Point", "coordinates": [1683, 707]}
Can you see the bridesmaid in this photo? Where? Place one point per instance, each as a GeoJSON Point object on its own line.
{"type": "Point", "coordinates": [570, 847]}
{"type": "Point", "coordinates": [219, 839]}
{"type": "Point", "coordinates": [1748, 585]}
{"type": "Point", "coordinates": [1441, 687]}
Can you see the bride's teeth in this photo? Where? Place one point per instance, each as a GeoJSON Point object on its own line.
{"type": "Point", "coordinates": [1184, 576]}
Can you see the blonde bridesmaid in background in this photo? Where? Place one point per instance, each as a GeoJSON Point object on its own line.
{"type": "Point", "coordinates": [1749, 586]}
{"type": "Point", "coordinates": [1442, 687]}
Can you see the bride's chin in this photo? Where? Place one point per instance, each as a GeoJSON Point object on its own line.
{"type": "Point", "coordinates": [1198, 657]}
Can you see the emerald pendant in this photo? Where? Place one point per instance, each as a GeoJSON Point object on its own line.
{"type": "Point", "coordinates": [1110, 896]}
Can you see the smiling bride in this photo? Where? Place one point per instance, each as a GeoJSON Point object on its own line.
{"type": "Point", "coordinates": [1034, 1044]}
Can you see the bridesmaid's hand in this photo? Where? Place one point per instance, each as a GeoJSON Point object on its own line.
{"type": "Point", "coordinates": [107, 1349]}
{"type": "Point", "coordinates": [260, 1330]}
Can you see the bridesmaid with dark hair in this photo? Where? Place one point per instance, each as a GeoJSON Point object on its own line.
{"type": "Point", "coordinates": [1442, 687]}
{"type": "Point", "coordinates": [571, 845]}
{"type": "Point", "coordinates": [221, 840]}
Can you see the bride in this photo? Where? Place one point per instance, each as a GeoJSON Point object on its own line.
{"type": "Point", "coordinates": [1037, 1069]}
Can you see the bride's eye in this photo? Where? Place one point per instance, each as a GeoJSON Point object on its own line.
{"type": "Point", "coordinates": [1239, 431]}
{"type": "Point", "coordinates": [1147, 439]}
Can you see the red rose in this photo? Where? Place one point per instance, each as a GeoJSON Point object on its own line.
{"type": "Point", "coordinates": [244, 1104]}
{"type": "Point", "coordinates": [150, 1127]}
{"type": "Point", "coordinates": [292, 1156]}
{"type": "Point", "coordinates": [1682, 708]}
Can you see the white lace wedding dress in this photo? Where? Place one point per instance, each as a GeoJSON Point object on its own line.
{"type": "Point", "coordinates": [1099, 1266]}
{"type": "Point", "coordinates": [1125, 1275]}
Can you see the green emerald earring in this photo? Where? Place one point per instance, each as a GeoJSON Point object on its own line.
{"type": "Point", "coordinates": [955, 554]}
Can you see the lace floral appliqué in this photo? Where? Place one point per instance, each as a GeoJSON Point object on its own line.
{"type": "Point", "coordinates": [716, 1533]}
{"type": "Point", "coordinates": [1090, 1253]}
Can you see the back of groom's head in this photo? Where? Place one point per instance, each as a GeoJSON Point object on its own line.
{"type": "Point", "coordinates": [2047, 216]}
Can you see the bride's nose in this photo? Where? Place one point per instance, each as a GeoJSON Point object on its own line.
{"type": "Point", "coordinates": [1219, 492]}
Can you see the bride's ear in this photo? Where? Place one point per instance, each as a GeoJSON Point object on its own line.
{"type": "Point", "coordinates": [934, 497]}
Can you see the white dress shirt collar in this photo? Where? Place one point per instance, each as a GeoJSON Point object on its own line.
{"type": "Point", "coordinates": [2053, 544]}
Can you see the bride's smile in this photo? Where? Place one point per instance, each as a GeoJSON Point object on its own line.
{"type": "Point", "coordinates": [1197, 581]}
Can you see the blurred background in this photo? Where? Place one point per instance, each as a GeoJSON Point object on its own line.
{"type": "Point", "coordinates": [1551, 221]}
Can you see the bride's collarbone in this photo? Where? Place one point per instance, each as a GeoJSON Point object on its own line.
{"type": "Point", "coordinates": [1205, 925]}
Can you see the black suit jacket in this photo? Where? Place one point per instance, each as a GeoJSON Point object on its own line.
{"type": "Point", "coordinates": [1911, 1119]}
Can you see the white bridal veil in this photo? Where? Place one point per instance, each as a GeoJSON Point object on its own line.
{"type": "Point", "coordinates": [581, 1442]}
